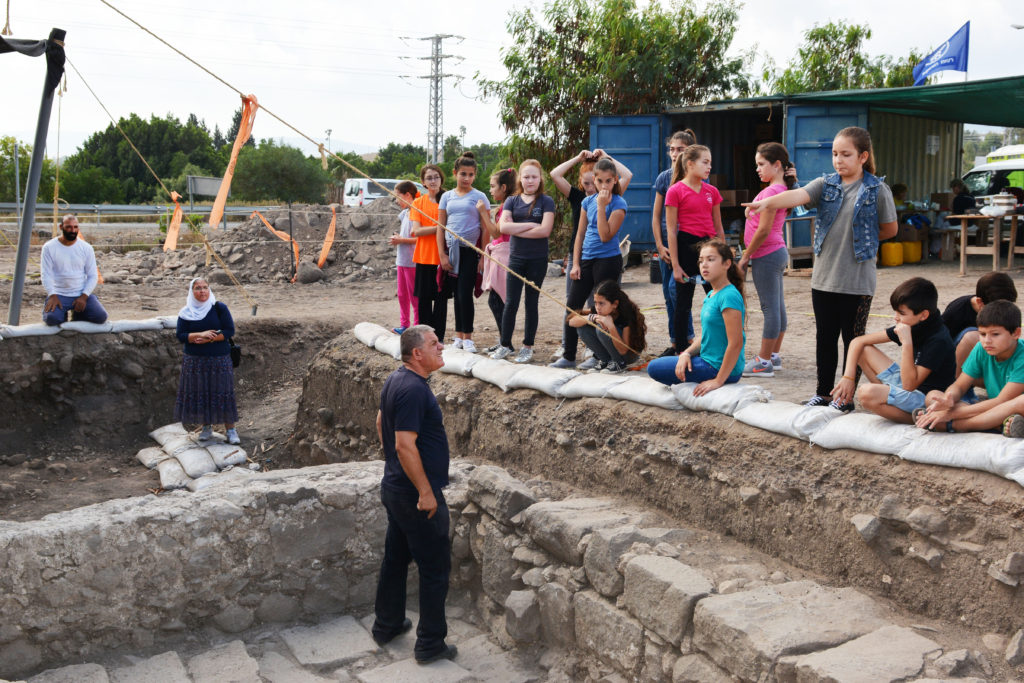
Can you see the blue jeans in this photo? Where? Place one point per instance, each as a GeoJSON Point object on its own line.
{"type": "Point", "coordinates": [664, 370]}
{"type": "Point", "coordinates": [603, 346]}
{"type": "Point", "coordinates": [411, 536]}
{"type": "Point", "coordinates": [668, 290]}
{"type": "Point", "coordinates": [93, 313]}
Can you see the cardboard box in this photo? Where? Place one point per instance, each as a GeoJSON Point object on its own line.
{"type": "Point", "coordinates": [943, 199]}
{"type": "Point", "coordinates": [734, 197]}
{"type": "Point", "coordinates": [718, 180]}
{"type": "Point", "coordinates": [909, 233]}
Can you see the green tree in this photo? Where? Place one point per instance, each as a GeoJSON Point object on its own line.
{"type": "Point", "coordinates": [218, 138]}
{"type": "Point", "coordinates": [7, 174]}
{"type": "Point", "coordinates": [832, 57]}
{"type": "Point", "coordinates": [578, 58]}
{"type": "Point", "coordinates": [397, 161]}
{"type": "Point", "coordinates": [275, 172]}
{"type": "Point", "coordinates": [341, 172]}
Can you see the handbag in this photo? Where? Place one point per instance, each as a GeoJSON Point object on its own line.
{"type": "Point", "coordinates": [236, 352]}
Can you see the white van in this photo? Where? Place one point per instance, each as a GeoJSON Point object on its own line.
{"type": "Point", "coordinates": [362, 191]}
{"type": "Point", "coordinates": [1003, 168]}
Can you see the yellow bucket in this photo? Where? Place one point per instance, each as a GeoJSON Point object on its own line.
{"type": "Point", "coordinates": [911, 252]}
{"type": "Point", "coordinates": [892, 254]}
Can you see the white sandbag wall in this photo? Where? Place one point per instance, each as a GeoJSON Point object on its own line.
{"type": "Point", "coordinates": [183, 461]}
{"type": "Point", "coordinates": [42, 329]}
{"type": "Point", "coordinates": [750, 404]}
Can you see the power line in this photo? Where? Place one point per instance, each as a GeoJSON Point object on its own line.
{"type": "Point", "coordinates": [435, 110]}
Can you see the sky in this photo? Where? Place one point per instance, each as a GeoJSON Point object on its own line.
{"type": "Point", "coordinates": [354, 67]}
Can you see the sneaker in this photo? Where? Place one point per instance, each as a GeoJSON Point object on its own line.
{"type": "Point", "coordinates": [399, 330]}
{"type": "Point", "coordinates": [613, 368]}
{"type": "Point", "coordinates": [562, 363]}
{"type": "Point", "coordinates": [559, 353]}
{"type": "Point", "coordinates": [525, 355]}
{"type": "Point", "coordinates": [841, 407]}
{"type": "Point", "coordinates": [502, 353]}
{"type": "Point", "coordinates": [491, 349]}
{"type": "Point", "coordinates": [233, 437]}
{"type": "Point", "coordinates": [206, 434]}
{"type": "Point", "coordinates": [1013, 426]}
{"type": "Point", "coordinates": [468, 345]}
{"type": "Point", "coordinates": [588, 364]}
{"type": "Point", "coordinates": [756, 367]}
{"type": "Point", "coordinates": [776, 362]}
{"type": "Point", "coordinates": [456, 343]}
{"type": "Point", "coordinates": [588, 354]}
{"type": "Point", "coordinates": [817, 401]}
{"type": "Point", "coordinates": [670, 351]}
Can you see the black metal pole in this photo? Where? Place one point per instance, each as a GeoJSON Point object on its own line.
{"type": "Point", "coordinates": [54, 71]}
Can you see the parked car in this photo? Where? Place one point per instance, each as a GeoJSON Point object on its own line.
{"type": "Point", "coordinates": [361, 191]}
{"type": "Point", "coordinates": [995, 177]}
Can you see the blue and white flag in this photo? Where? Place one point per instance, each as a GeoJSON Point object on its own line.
{"type": "Point", "coordinates": [950, 56]}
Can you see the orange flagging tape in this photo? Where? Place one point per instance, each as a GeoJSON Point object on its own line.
{"type": "Point", "coordinates": [249, 107]}
{"type": "Point", "coordinates": [328, 240]}
{"type": "Point", "coordinates": [283, 235]}
{"type": "Point", "coordinates": [171, 243]}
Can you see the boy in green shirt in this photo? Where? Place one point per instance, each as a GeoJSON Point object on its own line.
{"type": "Point", "coordinates": [998, 362]}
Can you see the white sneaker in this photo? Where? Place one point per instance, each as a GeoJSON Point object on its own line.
{"type": "Point", "coordinates": [502, 353]}
{"type": "Point", "coordinates": [559, 353]}
{"type": "Point", "coordinates": [525, 355]}
{"type": "Point", "coordinates": [233, 437]}
{"type": "Point", "coordinates": [206, 434]}
{"type": "Point", "coordinates": [468, 345]}
{"type": "Point", "coordinates": [588, 364]}
{"type": "Point", "coordinates": [456, 343]}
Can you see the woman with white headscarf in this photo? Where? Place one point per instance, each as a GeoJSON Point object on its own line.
{"type": "Point", "coordinates": [206, 392]}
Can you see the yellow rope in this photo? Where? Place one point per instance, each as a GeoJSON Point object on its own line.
{"type": "Point", "coordinates": [7, 27]}
{"type": "Point", "coordinates": [209, 247]}
{"type": "Point", "coordinates": [358, 171]}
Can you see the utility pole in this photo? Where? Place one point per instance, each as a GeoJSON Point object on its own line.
{"type": "Point", "coordinates": [435, 113]}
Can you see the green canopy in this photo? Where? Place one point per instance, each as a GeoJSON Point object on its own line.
{"type": "Point", "coordinates": [991, 102]}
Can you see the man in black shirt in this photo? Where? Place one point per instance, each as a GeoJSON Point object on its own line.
{"type": "Point", "coordinates": [411, 431]}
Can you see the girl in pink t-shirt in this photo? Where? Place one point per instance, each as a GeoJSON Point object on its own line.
{"type": "Point", "coordinates": [767, 256]}
{"type": "Point", "coordinates": [503, 186]}
{"type": "Point", "coordinates": [692, 215]}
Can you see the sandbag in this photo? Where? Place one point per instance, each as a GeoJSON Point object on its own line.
{"type": "Point", "coordinates": [33, 330]}
{"type": "Point", "coordinates": [866, 432]}
{"type": "Point", "coordinates": [542, 378]}
{"type": "Point", "coordinates": [987, 452]}
{"type": "Point", "coordinates": [459, 362]}
{"type": "Point", "coordinates": [170, 322]}
{"type": "Point", "coordinates": [231, 476]}
{"type": "Point", "coordinates": [590, 385]}
{"type": "Point", "coordinates": [151, 457]}
{"type": "Point", "coordinates": [389, 343]}
{"type": "Point", "coordinates": [195, 461]}
{"type": "Point", "coordinates": [86, 327]}
{"type": "Point", "coordinates": [168, 432]}
{"type": "Point", "coordinates": [172, 476]}
{"type": "Point", "coordinates": [497, 372]}
{"type": "Point", "coordinates": [783, 417]}
{"type": "Point", "coordinates": [226, 455]}
{"type": "Point", "coordinates": [148, 325]}
{"type": "Point", "coordinates": [368, 332]}
{"type": "Point", "coordinates": [646, 391]}
{"type": "Point", "coordinates": [725, 399]}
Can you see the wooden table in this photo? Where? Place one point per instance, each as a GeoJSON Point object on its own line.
{"type": "Point", "coordinates": [993, 248]}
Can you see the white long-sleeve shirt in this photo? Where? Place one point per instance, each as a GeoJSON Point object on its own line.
{"type": "Point", "coordinates": [68, 270]}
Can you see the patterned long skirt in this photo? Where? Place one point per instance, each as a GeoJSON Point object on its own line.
{"type": "Point", "coordinates": [206, 391]}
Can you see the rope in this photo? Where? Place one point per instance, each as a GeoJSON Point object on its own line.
{"type": "Point", "coordinates": [206, 242]}
{"type": "Point", "coordinates": [7, 26]}
{"type": "Point", "coordinates": [351, 167]}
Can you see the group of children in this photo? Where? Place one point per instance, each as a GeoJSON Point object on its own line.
{"type": "Point", "coordinates": [941, 358]}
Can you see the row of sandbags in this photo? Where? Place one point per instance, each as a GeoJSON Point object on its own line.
{"type": "Point", "coordinates": [749, 404]}
{"type": "Point", "coordinates": [164, 322]}
{"type": "Point", "coordinates": [185, 462]}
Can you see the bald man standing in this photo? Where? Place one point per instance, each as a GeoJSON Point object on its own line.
{"type": "Point", "coordinates": [69, 274]}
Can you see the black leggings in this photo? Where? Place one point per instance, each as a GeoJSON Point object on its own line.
{"type": "Point", "coordinates": [834, 314]}
{"type": "Point", "coordinates": [464, 286]}
{"type": "Point", "coordinates": [497, 306]}
{"type": "Point", "coordinates": [686, 250]}
{"type": "Point", "coordinates": [534, 270]}
{"type": "Point", "coordinates": [592, 273]}
{"type": "Point", "coordinates": [431, 304]}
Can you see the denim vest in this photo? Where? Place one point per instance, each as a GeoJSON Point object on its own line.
{"type": "Point", "coordinates": [865, 215]}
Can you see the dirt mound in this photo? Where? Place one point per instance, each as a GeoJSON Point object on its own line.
{"type": "Point", "coordinates": [254, 254]}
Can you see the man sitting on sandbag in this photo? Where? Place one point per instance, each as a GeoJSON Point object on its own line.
{"type": "Point", "coordinates": [69, 274]}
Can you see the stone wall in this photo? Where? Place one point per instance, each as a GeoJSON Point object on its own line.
{"type": "Point", "coordinates": [129, 573]}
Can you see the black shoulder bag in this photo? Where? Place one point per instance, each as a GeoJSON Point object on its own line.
{"type": "Point", "coordinates": [236, 350]}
